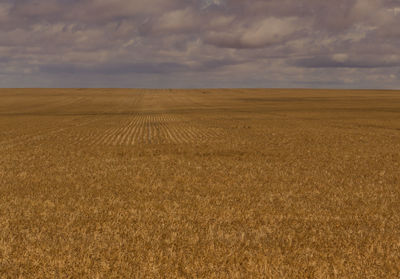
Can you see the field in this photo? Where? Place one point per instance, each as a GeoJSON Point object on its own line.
{"type": "Point", "coordinates": [120, 183]}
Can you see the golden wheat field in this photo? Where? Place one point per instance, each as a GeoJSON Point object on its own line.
{"type": "Point", "coordinates": [120, 183]}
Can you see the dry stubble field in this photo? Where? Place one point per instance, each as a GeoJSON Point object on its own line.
{"type": "Point", "coordinates": [199, 184]}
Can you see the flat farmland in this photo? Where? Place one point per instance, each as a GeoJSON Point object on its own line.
{"type": "Point", "coordinates": [122, 183]}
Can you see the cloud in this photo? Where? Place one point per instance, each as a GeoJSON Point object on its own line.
{"type": "Point", "coordinates": [344, 61]}
{"type": "Point", "coordinates": [114, 68]}
{"type": "Point", "coordinates": [133, 68]}
{"type": "Point", "coordinates": [218, 42]}
{"type": "Point", "coordinates": [267, 32]}
{"type": "Point", "coordinates": [177, 21]}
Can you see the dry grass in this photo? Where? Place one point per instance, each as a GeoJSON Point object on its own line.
{"type": "Point", "coordinates": [199, 184]}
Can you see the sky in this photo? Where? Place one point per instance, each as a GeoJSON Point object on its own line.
{"type": "Point", "coordinates": [200, 43]}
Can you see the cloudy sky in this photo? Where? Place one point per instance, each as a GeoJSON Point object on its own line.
{"type": "Point", "coordinates": [200, 43]}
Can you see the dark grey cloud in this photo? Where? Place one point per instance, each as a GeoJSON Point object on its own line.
{"type": "Point", "coordinates": [344, 61]}
{"type": "Point", "coordinates": [132, 68]}
{"type": "Point", "coordinates": [114, 69]}
{"type": "Point", "coordinates": [258, 43]}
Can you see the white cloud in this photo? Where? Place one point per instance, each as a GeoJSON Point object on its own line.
{"type": "Point", "coordinates": [259, 34]}
{"type": "Point", "coordinates": [178, 20]}
{"type": "Point", "coordinates": [340, 57]}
